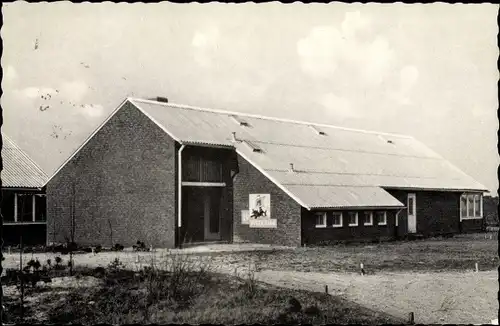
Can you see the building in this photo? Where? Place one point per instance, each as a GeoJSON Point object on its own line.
{"type": "Point", "coordinates": [170, 174]}
{"type": "Point", "coordinates": [23, 197]}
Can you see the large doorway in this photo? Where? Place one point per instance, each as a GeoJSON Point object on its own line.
{"type": "Point", "coordinates": [201, 214]}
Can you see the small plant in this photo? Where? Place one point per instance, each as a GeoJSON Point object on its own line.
{"type": "Point", "coordinates": [49, 262]}
{"type": "Point", "coordinates": [140, 246]}
{"type": "Point", "coordinates": [117, 247]}
{"type": "Point", "coordinates": [59, 265]}
{"type": "Point", "coordinates": [116, 265]}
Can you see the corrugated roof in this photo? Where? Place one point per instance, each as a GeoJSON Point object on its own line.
{"type": "Point", "coordinates": [329, 165]}
{"type": "Point", "coordinates": [19, 171]}
{"type": "Point", "coordinates": [343, 196]}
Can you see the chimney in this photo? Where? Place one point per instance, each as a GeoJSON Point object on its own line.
{"type": "Point", "coordinates": [234, 136]}
{"type": "Point", "coordinates": [291, 169]}
{"type": "Point", "coordinates": [160, 99]}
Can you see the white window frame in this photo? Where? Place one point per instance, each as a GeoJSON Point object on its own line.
{"type": "Point", "coordinates": [341, 215]}
{"type": "Point", "coordinates": [355, 215]}
{"type": "Point", "coordinates": [371, 218]}
{"type": "Point", "coordinates": [475, 202]}
{"type": "Point", "coordinates": [323, 215]}
{"type": "Point", "coordinates": [385, 218]}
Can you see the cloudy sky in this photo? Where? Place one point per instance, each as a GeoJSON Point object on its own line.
{"type": "Point", "coordinates": [424, 70]}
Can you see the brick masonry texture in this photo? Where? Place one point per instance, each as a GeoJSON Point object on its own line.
{"type": "Point", "coordinates": [438, 212]}
{"type": "Point", "coordinates": [329, 234]}
{"type": "Point", "coordinates": [287, 212]}
{"type": "Point", "coordinates": [125, 186]}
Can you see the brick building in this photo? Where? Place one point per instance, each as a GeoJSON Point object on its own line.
{"type": "Point", "coordinates": [170, 174]}
{"type": "Point", "coordinates": [23, 197]}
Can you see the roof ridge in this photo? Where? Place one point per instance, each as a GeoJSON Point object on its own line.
{"type": "Point", "coordinates": [258, 116]}
{"type": "Point", "coordinates": [23, 153]}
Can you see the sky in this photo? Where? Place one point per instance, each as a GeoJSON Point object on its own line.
{"type": "Point", "coordinates": [428, 71]}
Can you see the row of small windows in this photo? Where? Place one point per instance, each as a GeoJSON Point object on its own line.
{"type": "Point", "coordinates": [353, 219]}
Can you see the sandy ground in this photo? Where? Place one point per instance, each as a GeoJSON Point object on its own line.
{"type": "Point", "coordinates": [443, 297]}
{"type": "Point", "coordinates": [451, 298]}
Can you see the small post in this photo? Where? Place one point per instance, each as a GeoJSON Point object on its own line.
{"type": "Point", "coordinates": [235, 271]}
{"type": "Point", "coordinates": [412, 318]}
{"type": "Point", "coordinates": [93, 252]}
{"type": "Point", "coordinates": [362, 268]}
{"type": "Point", "coordinates": [9, 250]}
{"type": "Point", "coordinates": [477, 267]}
{"type": "Point", "coordinates": [326, 289]}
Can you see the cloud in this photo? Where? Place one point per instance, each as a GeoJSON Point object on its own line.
{"type": "Point", "coordinates": [326, 49]}
{"type": "Point", "coordinates": [36, 92]}
{"type": "Point", "coordinates": [339, 107]}
{"type": "Point", "coordinates": [353, 21]}
{"type": "Point", "coordinates": [409, 76]}
{"type": "Point", "coordinates": [74, 91]}
{"type": "Point", "coordinates": [10, 73]}
{"type": "Point", "coordinates": [92, 110]}
{"type": "Point", "coordinates": [205, 43]}
{"type": "Point", "coordinates": [319, 51]}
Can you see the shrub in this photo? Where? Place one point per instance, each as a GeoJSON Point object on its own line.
{"type": "Point", "coordinates": [294, 305]}
{"type": "Point", "coordinates": [117, 247]}
{"type": "Point", "coordinates": [140, 246]}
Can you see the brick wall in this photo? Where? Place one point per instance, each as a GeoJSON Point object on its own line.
{"type": "Point", "coordinates": [438, 212]}
{"type": "Point", "coordinates": [125, 186]}
{"type": "Point", "coordinates": [313, 235]}
{"type": "Point", "coordinates": [287, 212]}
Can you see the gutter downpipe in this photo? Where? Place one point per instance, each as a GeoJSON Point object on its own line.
{"type": "Point", "coordinates": [179, 194]}
{"type": "Point", "coordinates": [397, 220]}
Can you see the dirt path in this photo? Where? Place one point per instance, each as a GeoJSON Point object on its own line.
{"type": "Point", "coordinates": [449, 298]}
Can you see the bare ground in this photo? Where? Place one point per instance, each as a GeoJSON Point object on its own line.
{"type": "Point", "coordinates": [432, 278]}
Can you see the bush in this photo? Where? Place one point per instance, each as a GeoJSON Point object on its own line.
{"type": "Point", "coordinates": [140, 246]}
{"type": "Point", "coordinates": [117, 247]}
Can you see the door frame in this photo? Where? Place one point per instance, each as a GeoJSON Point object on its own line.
{"type": "Point", "coordinates": [414, 215]}
{"type": "Point", "coordinates": [207, 202]}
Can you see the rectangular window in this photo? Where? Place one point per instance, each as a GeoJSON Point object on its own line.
{"type": "Point", "coordinates": [410, 205]}
{"type": "Point", "coordinates": [470, 206]}
{"type": "Point", "coordinates": [368, 218]}
{"type": "Point", "coordinates": [463, 205]}
{"type": "Point", "coordinates": [24, 207]}
{"type": "Point", "coordinates": [337, 219]}
{"type": "Point", "coordinates": [40, 208]}
{"type": "Point", "coordinates": [382, 218]}
{"type": "Point", "coordinates": [8, 206]}
{"type": "Point", "coordinates": [477, 205]}
{"type": "Point", "coordinates": [321, 220]}
{"type": "Point", "coordinates": [353, 218]}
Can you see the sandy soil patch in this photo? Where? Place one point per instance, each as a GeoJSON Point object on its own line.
{"type": "Point", "coordinates": [434, 297]}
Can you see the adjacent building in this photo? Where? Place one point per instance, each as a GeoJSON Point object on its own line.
{"type": "Point", "coordinates": [170, 174]}
{"type": "Point", "coordinates": [23, 197]}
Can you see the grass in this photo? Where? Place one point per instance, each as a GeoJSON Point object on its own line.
{"type": "Point", "coordinates": [184, 295]}
{"type": "Point", "coordinates": [429, 255]}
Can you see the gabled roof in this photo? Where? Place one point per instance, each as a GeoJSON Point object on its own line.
{"type": "Point", "coordinates": [333, 167]}
{"type": "Point", "coordinates": [19, 170]}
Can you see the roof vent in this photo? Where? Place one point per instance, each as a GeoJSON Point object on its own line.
{"type": "Point", "coordinates": [317, 130]}
{"type": "Point", "coordinates": [240, 121]}
{"type": "Point", "coordinates": [254, 147]}
{"type": "Point", "coordinates": [234, 136]}
{"type": "Point", "coordinates": [291, 169]}
{"type": "Point", "coordinates": [390, 141]}
{"type": "Point", "coordinates": [160, 99]}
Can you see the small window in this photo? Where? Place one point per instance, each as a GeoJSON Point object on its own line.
{"type": "Point", "coordinates": [470, 206]}
{"type": "Point", "coordinates": [477, 205]}
{"type": "Point", "coordinates": [410, 206]}
{"type": "Point", "coordinates": [353, 218]}
{"type": "Point", "coordinates": [368, 218]}
{"type": "Point", "coordinates": [463, 205]}
{"type": "Point", "coordinates": [382, 218]}
{"type": "Point", "coordinates": [321, 220]}
{"type": "Point", "coordinates": [337, 219]}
